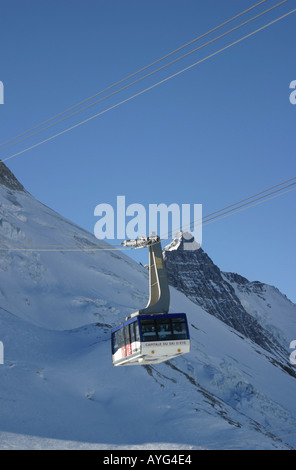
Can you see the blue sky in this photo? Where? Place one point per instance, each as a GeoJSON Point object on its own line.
{"type": "Point", "coordinates": [213, 135]}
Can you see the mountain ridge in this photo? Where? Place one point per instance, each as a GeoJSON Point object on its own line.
{"type": "Point", "coordinates": [8, 179]}
{"type": "Point", "coordinates": [58, 382]}
{"type": "Point", "coordinates": [193, 272]}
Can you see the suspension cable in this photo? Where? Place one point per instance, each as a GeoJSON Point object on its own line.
{"type": "Point", "coordinates": [150, 87]}
{"type": "Point", "coordinates": [123, 80]}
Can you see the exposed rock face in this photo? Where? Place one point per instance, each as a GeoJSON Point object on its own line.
{"type": "Point", "coordinates": [192, 272]}
{"type": "Point", "coordinates": [8, 179]}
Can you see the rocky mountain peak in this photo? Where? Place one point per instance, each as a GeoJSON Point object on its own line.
{"type": "Point", "coordinates": [8, 179]}
{"type": "Point", "coordinates": [193, 273]}
{"type": "Point", "coordinates": [183, 241]}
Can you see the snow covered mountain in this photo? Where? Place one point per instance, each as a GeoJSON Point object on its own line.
{"type": "Point", "coordinates": [251, 308]}
{"type": "Point", "coordinates": [58, 388]}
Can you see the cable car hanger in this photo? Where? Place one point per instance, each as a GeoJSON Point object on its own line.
{"type": "Point", "coordinates": [159, 299]}
{"type": "Point", "coordinates": [151, 335]}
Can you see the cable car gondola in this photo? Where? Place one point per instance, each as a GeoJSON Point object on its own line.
{"type": "Point", "coordinates": [150, 339]}
{"type": "Point", "coordinates": [151, 335]}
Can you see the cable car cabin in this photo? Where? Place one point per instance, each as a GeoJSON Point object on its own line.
{"type": "Point", "coordinates": [150, 339]}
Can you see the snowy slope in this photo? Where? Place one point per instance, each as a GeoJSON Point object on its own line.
{"type": "Point", "coordinates": [58, 388]}
{"type": "Point", "coordinates": [59, 289]}
{"type": "Point", "coordinates": [256, 311]}
{"type": "Point", "coordinates": [61, 385]}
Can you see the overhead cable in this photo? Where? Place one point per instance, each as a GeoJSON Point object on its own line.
{"type": "Point", "coordinates": [239, 206]}
{"type": "Point", "coordinates": [236, 205]}
{"type": "Point", "coordinates": [150, 87]}
{"type": "Point", "coordinates": [121, 81]}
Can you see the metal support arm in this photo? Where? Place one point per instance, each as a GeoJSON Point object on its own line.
{"type": "Point", "coordinates": [159, 293]}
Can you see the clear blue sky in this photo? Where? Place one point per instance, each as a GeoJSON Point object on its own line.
{"type": "Point", "coordinates": [215, 134]}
